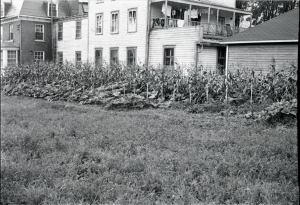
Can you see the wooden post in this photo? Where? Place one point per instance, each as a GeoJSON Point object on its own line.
{"type": "Point", "coordinates": [233, 23]}
{"type": "Point", "coordinates": [190, 11]}
{"type": "Point", "coordinates": [226, 74]}
{"type": "Point", "coordinates": [166, 9]}
{"type": "Point", "coordinates": [251, 87]}
{"type": "Point", "coordinates": [207, 92]}
{"type": "Point", "coordinates": [124, 89]}
{"type": "Point", "coordinates": [147, 91]}
{"type": "Point", "coordinates": [217, 20]}
{"type": "Point", "coordinates": [190, 91]}
{"type": "Point", "coordinates": [208, 17]}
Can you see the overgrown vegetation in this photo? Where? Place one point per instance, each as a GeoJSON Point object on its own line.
{"type": "Point", "coordinates": [131, 87]}
{"type": "Point", "coordinates": [67, 153]}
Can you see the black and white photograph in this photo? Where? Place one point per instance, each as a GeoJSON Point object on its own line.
{"type": "Point", "coordinates": [149, 102]}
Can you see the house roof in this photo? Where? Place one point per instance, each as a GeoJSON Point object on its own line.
{"type": "Point", "coordinates": [283, 28]}
{"type": "Point", "coordinates": [8, 44]}
{"type": "Point", "coordinates": [38, 8]}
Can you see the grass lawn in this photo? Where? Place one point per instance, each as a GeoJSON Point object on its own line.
{"type": "Point", "coordinates": [61, 153]}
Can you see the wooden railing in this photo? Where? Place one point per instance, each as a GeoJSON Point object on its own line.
{"type": "Point", "coordinates": [209, 29]}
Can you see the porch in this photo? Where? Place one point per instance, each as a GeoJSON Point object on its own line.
{"type": "Point", "coordinates": [217, 21]}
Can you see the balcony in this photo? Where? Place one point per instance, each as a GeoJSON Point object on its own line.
{"type": "Point", "coordinates": [209, 30]}
{"type": "Point", "coordinates": [218, 22]}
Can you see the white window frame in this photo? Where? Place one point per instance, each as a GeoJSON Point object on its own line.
{"type": "Point", "coordinates": [60, 31]}
{"type": "Point", "coordinates": [56, 9]}
{"type": "Point", "coordinates": [2, 9]}
{"type": "Point", "coordinates": [60, 57]}
{"type": "Point", "coordinates": [11, 32]}
{"type": "Point", "coordinates": [43, 32]}
{"type": "Point", "coordinates": [76, 61]}
{"type": "Point", "coordinates": [36, 54]}
{"type": "Point", "coordinates": [172, 58]}
{"type": "Point", "coordinates": [78, 31]}
{"type": "Point", "coordinates": [16, 62]}
{"type": "Point", "coordinates": [99, 23]}
{"type": "Point", "coordinates": [110, 56]}
{"type": "Point", "coordinates": [130, 19]}
{"type": "Point", "coordinates": [134, 49]}
{"type": "Point", "coordinates": [114, 22]}
{"type": "Point", "coordinates": [1, 33]}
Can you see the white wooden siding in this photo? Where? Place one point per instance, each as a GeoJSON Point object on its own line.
{"type": "Point", "coordinates": [259, 57]}
{"type": "Point", "coordinates": [184, 39]}
{"type": "Point", "coordinates": [123, 39]}
{"type": "Point", "coordinates": [228, 3]}
{"type": "Point", "coordinates": [70, 44]}
{"type": "Point", "coordinates": [208, 58]}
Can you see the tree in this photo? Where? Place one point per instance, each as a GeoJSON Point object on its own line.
{"type": "Point", "coordinates": [266, 10]}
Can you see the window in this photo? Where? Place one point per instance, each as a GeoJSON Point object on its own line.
{"type": "Point", "coordinates": [98, 56]}
{"type": "Point", "coordinates": [99, 1]}
{"type": "Point", "coordinates": [169, 56]}
{"type": "Point", "coordinates": [78, 29]}
{"type": "Point", "coordinates": [115, 22]}
{"type": "Point", "coordinates": [60, 31]}
{"type": "Point", "coordinates": [132, 20]}
{"type": "Point", "coordinates": [2, 9]}
{"type": "Point", "coordinates": [39, 32]}
{"type": "Point", "coordinates": [78, 57]}
{"type": "Point", "coordinates": [52, 9]}
{"type": "Point", "coordinates": [99, 21]}
{"type": "Point", "coordinates": [60, 57]}
{"type": "Point", "coordinates": [11, 30]}
{"type": "Point", "coordinates": [11, 58]}
{"type": "Point", "coordinates": [114, 55]}
{"type": "Point", "coordinates": [1, 59]}
{"type": "Point", "coordinates": [38, 55]}
{"type": "Point", "coordinates": [221, 60]}
{"type": "Point", "coordinates": [131, 56]}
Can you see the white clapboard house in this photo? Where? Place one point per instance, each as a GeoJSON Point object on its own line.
{"type": "Point", "coordinates": [158, 32]}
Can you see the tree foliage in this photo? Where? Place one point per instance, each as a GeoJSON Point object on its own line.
{"type": "Point", "coordinates": [266, 10]}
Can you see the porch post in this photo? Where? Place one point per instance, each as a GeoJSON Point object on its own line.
{"type": "Point", "coordinates": [190, 11]}
{"type": "Point", "coordinates": [208, 17]}
{"type": "Point", "coordinates": [217, 21]}
{"type": "Point", "coordinates": [166, 9]}
{"type": "Point", "coordinates": [233, 18]}
{"type": "Point", "coordinates": [250, 21]}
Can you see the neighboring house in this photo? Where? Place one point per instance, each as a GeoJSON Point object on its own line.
{"type": "Point", "coordinates": [26, 29]}
{"type": "Point", "coordinates": [71, 35]}
{"type": "Point", "coordinates": [162, 32]}
{"type": "Point", "coordinates": [274, 42]}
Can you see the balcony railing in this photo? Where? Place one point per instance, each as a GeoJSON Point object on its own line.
{"type": "Point", "coordinates": [208, 29]}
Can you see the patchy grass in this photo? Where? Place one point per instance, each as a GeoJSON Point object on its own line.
{"type": "Point", "coordinates": [59, 153]}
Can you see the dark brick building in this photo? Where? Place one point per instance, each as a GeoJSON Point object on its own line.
{"type": "Point", "coordinates": [27, 28]}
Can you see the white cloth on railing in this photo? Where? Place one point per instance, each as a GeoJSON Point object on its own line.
{"type": "Point", "coordinates": [180, 23]}
{"type": "Point", "coordinates": [186, 17]}
{"type": "Point", "coordinates": [194, 13]}
{"type": "Point", "coordinates": [169, 8]}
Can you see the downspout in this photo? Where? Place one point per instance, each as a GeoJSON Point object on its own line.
{"type": "Point", "coordinates": [88, 32]}
{"type": "Point", "coordinates": [20, 42]}
{"type": "Point", "coordinates": [148, 21]}
{"type": "Point", "coordinates": [52, 41]}
{"type": "Point", "coordinates": [226, 73]}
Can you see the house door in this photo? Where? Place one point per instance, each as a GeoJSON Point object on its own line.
{"type": "Point", "coordinates": [221, 25]}
{"type": "Point", "coordinates": [221, 60]}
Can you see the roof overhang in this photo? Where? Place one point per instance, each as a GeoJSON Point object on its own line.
{"type": "Point", "coordinates": [9, 45]}
{"type": "Point", "coordinates": [253, 42]}
{"type": "Point", "coordinates": [192, 2]}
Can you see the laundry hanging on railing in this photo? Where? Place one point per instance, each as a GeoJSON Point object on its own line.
{"type": "Point", "coordinates": [194, 13]}
{"type": "Point", "coordinates": [169, 8]}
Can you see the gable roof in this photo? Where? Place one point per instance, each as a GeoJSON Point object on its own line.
{"type": "Point", "coordinates": [283, 28]}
